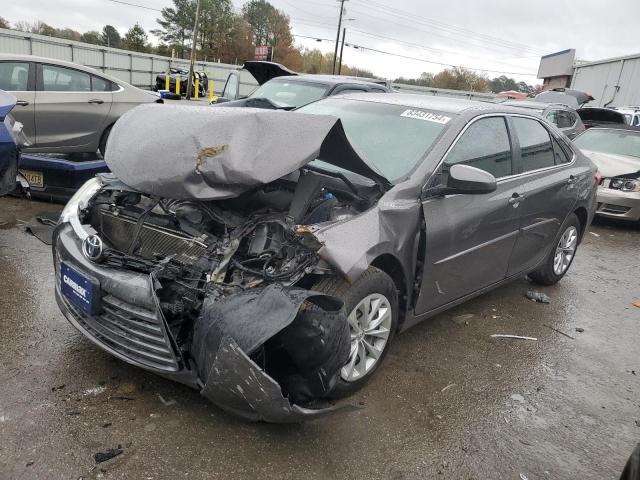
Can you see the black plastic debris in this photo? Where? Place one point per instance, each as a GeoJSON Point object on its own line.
{"type": "Point", "coordinates": [108, 454]}
{"type": "Point", "coordinates": [579, 329]}
{"type": "Point", "coordinates": [538, 297]}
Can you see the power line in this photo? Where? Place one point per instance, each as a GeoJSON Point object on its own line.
{"type": "Point", "coordinates": [360, 47]}
{"type": "Point", "coordinates": [442, 25]}
{"type": "Point", "coordinates": [135, 5]}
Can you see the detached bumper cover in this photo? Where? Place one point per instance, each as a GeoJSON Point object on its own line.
{"type": "Point", "coordinates": [306, 328]}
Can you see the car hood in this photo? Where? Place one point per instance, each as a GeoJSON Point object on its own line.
{"type": "Point", "coordinates": [265, 71]}
{"type": "Point", "coordinates": [611, 165]}
{"type": "Point", "coordinates": [204, 153]}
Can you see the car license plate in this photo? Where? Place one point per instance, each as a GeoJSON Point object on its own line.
{"type": "Point", "coordinates": [78, 289]}
{"type": "Point", "coordinates": [35, 179]}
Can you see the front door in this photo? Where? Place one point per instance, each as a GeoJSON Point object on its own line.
{"type": "Point", "coordinates": [549, 178]}
{"type": "Point", "coordinates": [18, 78]}
{"type": "Point", "coordinates": [68, 113]}
{"type": "Point", "coordinates": [469, 238]}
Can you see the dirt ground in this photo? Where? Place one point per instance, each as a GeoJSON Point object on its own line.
{"type": "Point", "coordinates": [450, 402]}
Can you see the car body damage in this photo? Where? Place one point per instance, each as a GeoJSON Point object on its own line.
{"type": "Point", "coordinates": [220, 259]}
{"type": "Point", "coordinates": [222, 154]}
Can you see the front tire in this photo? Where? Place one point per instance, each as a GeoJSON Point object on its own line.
{"type": "Point", "coordinates": [561, 256]}
{"type": "Point", "coordinates": [372, 310]}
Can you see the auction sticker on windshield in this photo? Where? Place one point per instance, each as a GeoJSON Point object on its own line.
{"type": "Point", "coordinates": [427, 116]}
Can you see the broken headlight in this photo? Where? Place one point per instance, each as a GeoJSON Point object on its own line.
{"type": "Point", "coordinates": [625, 184]}
{"type": "Point", "coordinates": [78, 202]}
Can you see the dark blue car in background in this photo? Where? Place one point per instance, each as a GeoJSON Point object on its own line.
{"type": "Point", "coordinates": [11, 139]}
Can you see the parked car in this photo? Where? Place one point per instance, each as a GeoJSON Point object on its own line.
{"type": "Point", "coordinates": [631, 115]}
{"type": "Point", "coordinates": [616, 152]}
{"type": "Point", "coordinates": [566, 96]}
{"type": "Point", "coordinates": [56, 177]}
{"type": "Point", "coordinates": [12, 140]}
{"type": "Point", "coordinates": [279, 271]}
{"type": "Point", "coordinates": [281, 88]}
{"type": "Point", "coordinates": [183, 75]}
{"type": "Point", "coordinates": [66, 107]}
{"type": "Point", "coordinates": [562, 116]}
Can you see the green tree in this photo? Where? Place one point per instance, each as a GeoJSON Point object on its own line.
{"type": "Point", "coordinates": [110, 37]}
{"type": "Point", "coordinates": [177, 24]}
{"type": "Point", "coordinates": [91, 37]}
{"type": "Point", "coordinates": [4, 23]}
{"type": "Point", "coordinates": [68, 34]}
{"type": "Point", "coordinates": [136, 39]}
{"type": "Point", "coordinates": [258, 14]}
{"type": "Point", "coordinates": [502, 84]}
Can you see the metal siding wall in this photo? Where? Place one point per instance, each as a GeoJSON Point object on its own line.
{"type": "Point", "coordinates": [131, 67]}
{"type": "Point", "coordinates": [601, 80]}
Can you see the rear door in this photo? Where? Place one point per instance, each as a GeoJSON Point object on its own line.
{"type": "Point", "coordinates": [71, 107]}
{"type": "Point", "coordinates": [545, 165]}
{"type": "Point", "coordinates": [469, 238]}
{"type": "Point", "coordinates": [18, 78]}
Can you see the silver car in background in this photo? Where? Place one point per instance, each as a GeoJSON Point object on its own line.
{"type": "Point", "coordinates": [66, 107]}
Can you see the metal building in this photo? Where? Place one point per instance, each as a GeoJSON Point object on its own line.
{"type": "Point", "coordinates": [613, 82]}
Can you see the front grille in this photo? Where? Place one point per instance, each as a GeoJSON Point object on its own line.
{"type": "Point", "coordinates": [134, 332]}
{"type": "Point", "coordinates": [615, 209]}
{"type": "Point", "coordinates": [154, 242]}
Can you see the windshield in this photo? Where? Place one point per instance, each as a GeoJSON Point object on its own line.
{"type": "Point", "coordinates": [392, 138]}
{"type": "Point", "coordinates": [618, 142]}
{"type": "Point", "coordinates": [290, 94]}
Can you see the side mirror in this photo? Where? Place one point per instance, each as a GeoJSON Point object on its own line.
{"type": "Point", "coordinates": [465, 179]}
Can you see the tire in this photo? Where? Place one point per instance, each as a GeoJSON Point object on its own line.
{"type": "Point", "coordinates": [373, 285]}
{"type": "Point", "coordinates": [102, 146]}
{"type": "Point", "coordinates": [548, 273]}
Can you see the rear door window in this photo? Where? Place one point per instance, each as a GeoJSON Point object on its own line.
{"type": "Point", "coordinates": [484, 145]}
{"type": "Point", "coordinates": [231, 88]}
{"type": "Point", "coordinates": [14, 76]}
{"type": "Point", "coordinates": [536, 150]}
{"type": "Point", "coordinates": [99, 84]}
{"type": "Point", "coordinates": [565, 119]}
{"type": "Point", "coordinates": [62, 79]}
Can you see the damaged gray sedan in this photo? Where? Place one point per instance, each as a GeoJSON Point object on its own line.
{"type": "Point", "coordinates": [267, 259]}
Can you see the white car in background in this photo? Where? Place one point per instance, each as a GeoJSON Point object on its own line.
{"type": "Point", "coordinates": [66, 107]}
{"type": "Point", "coordinates": [631, 115]}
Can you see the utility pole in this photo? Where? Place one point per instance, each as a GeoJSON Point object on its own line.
{"type": "Point", "coordinates": [194, 44]}
{"type": "Point", "coordinates": [335, 53]}
{"type": "Point", "coordinates": [344, 34]}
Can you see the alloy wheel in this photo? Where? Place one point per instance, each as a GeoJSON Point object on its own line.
{"type": "Point", "coordinates": [565, 250]}
{"type": "Point", "coordinates": [370, 325]}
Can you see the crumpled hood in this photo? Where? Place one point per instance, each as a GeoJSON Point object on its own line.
{"type": "Point", "coordinates": [186, 152]}
{"type": "Point", "coordinates": [611, 165]}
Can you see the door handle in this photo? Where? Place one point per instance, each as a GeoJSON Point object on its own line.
{"type": "Point", "coordinates": [22, 103]}
{"type": "Point", "coordinates": [572, 179]}
{"type": "Point", "coordinates": [96, 100]}
{"type": "Point", "coordinates": [515, 200]}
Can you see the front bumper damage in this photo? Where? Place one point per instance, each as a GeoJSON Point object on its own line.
{"type": "Point", "coordinates": [306, 328]}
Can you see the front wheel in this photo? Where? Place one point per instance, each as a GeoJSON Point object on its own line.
{"type": "Point", "coordinates": [372, 307]}
{"type": "Point", "coordinates": [561, 256]}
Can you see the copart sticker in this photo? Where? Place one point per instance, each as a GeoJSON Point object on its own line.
{"type": "Point", "coordinates": [428, 116]}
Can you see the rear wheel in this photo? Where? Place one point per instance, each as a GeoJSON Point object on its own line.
{"type": "Point", "coordinates": [561, 256]}
{"type": "Point", "coordinates": [371, 304]}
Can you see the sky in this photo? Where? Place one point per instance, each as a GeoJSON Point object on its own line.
{"type": "Point", "coordinates": [491, 36]}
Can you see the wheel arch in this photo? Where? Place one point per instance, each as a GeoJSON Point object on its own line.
{"type": "Point", "coordinates": [390, 265]}
{"type": "Point", "coordinates": [583, 218]}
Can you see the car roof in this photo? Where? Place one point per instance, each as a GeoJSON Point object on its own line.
{"type": "Point", "coordinates": [431, 102]}
{"type": "Point", "coordinates": [62, 63]}
{"type": "Point", "coordinates": [533, 105]}
{"type": "Point", "coordinates": [329, 80]}
{"type": "Point", "coordinates": [617, 126]}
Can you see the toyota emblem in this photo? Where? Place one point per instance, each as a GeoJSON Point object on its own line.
{"type": "Point", "coordinates": [92, 248]}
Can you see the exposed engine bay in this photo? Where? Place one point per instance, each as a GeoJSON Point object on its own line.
{"type": "Point", "coordinates": [202, 253]}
